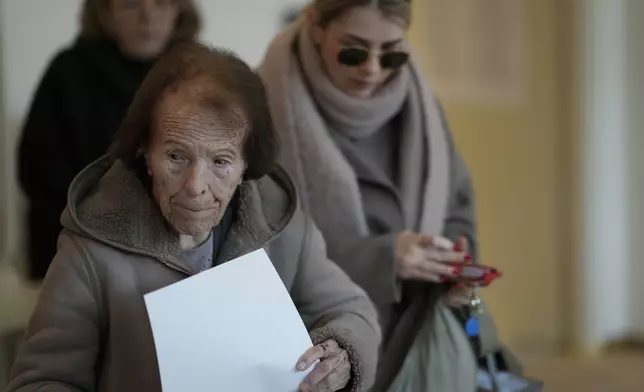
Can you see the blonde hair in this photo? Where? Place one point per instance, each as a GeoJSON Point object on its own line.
{"type": "Point", "coordinates": [329, 10]}
{"type": "Point", "coordinates": [94, 13]}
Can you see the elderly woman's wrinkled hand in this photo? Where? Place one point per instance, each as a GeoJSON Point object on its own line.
{"type": "Point", "coordinates": [332, 373]}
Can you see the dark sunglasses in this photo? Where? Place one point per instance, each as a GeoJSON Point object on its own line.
{"type": "Point", "coordinates": [353, 57]}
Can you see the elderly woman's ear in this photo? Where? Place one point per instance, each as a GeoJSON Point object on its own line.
{"type": "Point", "coordinates": [144, 154]}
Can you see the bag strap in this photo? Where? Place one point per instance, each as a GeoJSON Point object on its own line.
{"type": "Point", "coordinates": [489, 342]}
{"type": "Point", "coordinates": [491, 346]}
{"type": "Point", "coordinates": [492, 370]}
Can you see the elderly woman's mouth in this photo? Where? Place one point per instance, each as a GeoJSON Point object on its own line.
{"type": "Point", "coordinates": [193, 209]}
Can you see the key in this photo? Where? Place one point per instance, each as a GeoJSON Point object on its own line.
{"type": "Point", "coordinates": [476, 305]}
{"type": "Point", "coordinates": [472, 327]}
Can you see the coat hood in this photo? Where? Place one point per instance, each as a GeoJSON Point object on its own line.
{"type": "Point", "coordinates": [107, 202]}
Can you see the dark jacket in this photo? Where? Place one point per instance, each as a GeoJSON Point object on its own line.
{"type": "Point", "coordinates": [90, 330]}
{"type": "Point", "coordinates": [79, 104]}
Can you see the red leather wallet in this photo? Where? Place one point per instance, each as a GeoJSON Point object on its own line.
{"type": "Point", "coordinates": [478, 274]}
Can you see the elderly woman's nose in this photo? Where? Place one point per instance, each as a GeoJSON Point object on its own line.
{"type": "Point", "coordinates": [145, 10]}
{"type": "Point", "coordinates": [197, 179]}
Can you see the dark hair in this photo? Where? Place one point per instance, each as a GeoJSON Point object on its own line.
{"type": "Point", "coordinates": [94, 14]}
{"type": "Point", "coordinates": [329, 10]}
{"type": "Point", "coordinates": [226, 83]}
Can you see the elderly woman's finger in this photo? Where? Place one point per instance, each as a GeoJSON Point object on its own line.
{"type": "Point", "coordinates": [335, 381]}
{"type": "Point", "coordinates": [317, 352]}
{"type": "Point", "coordinates": [319, 376]}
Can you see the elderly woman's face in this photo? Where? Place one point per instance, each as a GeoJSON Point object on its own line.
{"type": "Point", "coordinates": [143, 28]}
{"type": "Point", "coordinates": [195, 160]}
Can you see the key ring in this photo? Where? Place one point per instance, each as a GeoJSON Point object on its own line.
{"type": "Point", "coordinates": [476, 304]}
{"type": "Point", "coordinates": [474, 298]}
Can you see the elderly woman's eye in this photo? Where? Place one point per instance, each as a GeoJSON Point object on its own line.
{"type": "Point", "coordinates": [222, 162]}
{"type": "Point", "coordinates": [175, 157]}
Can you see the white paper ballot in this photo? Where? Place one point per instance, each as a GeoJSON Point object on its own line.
{"type": "Point", "coordinates": [232, 328]}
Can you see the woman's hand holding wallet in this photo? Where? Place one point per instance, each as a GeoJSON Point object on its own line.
{"type": "Point", "coordinates": [439, 260]}
{"type": "Point", "coordinates": [470, 277]}
{"type": "Point", "coordinates": [423, 257]}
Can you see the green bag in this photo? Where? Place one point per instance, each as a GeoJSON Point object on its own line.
{"type": "Point", "coordinates": [440, 359]}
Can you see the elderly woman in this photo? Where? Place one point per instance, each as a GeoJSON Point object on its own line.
{"type": "Point", "coordinates": [82, 99]}
{"type": "Point", "coordinates": [375, 165]}
{"type": "Point", "coordinates": [190, 183]}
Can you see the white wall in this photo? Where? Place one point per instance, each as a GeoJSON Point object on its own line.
{"type": "Point", "coordinates": [635, 94]}
{"type": "Point", "coordinates": [31, 31]}
{"type": "Point", "coordinates": [612, 296]}
{"type": "Point", "coordinates": [245, 26]}
{"type": "Point", "coordinates": [605, 253]}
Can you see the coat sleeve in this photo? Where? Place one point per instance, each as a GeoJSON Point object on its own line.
{"type": "Point", "coordinates": [370, 262]}
{"type": "Point", "coordinates": [45, 168]}
{"type": "Point", "coordinates": [461, 212]}
{"type": "Point", "coordinates": [61, 346]}
{"type": "Point", "coordinates": [333, 307]}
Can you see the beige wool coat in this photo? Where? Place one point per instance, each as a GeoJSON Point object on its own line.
{"type": "Point", "coordinates": [90, 330]}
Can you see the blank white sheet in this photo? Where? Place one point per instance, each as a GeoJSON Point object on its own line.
{"type": "Point", "coordinates": [232, 328]}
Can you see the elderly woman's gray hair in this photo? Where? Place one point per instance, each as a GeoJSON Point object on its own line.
{"type": "Point", "coordinates": [228, 83]}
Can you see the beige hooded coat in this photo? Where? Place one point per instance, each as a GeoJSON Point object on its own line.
{"type": "Point", "coordinates": [90, 330]}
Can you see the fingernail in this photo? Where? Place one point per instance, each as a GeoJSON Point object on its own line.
{"type": "Point", "coordinates": [455, 272]}
{"type": "Point", "coordinates": [301, 365]}
{"type": "Point", "coordinates": [467, 258]}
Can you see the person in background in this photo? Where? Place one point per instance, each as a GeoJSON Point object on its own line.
{"type": "Point", "coordinates": [81, 100]}
{"type": "Point", "coordinates": [289, 15]}
{"type": "Point", "coordinates": [374, 163]}
{"type": "Point", "coordinates": [190, 183]}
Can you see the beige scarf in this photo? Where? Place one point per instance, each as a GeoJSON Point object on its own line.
{"type": "Point", "coordinates": [307, 107]}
